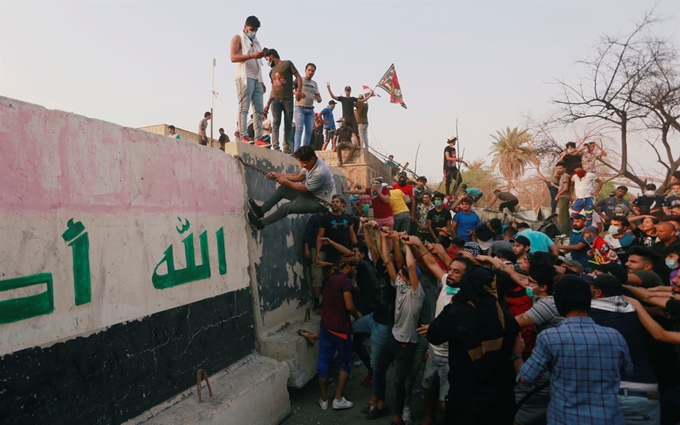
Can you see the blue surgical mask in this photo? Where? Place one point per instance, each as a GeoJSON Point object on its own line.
{"type": "Point", "coordinates": [589, 241]}
{"type": "Point", "coordinates": [250, 34]}
{"type": "Point", "coordinates": [530, 292]}
{"type": "Point", "coordinates": [671, 264]}
{"type": "Point", "coordinates": [437, 203]}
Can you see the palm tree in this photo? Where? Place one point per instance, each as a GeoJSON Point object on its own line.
{"type": "Point", "coordinates": [475, 165]}
{"type": "Point", "coordinates": [512, 153]}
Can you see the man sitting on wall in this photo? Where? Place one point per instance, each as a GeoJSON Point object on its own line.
{"type": "Point", "coordinates": [306, 191]}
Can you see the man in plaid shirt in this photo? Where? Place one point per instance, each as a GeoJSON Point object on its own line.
{"type": "Point", "coordinates": [585, 361]}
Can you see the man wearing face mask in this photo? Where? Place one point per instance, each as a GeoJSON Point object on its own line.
{"type": "Point", "coordinates": [246, 51]}
{"type": "Point", "coordinates": [438, 217]}
{"type": "Point", "coordinates": [585, 192]}
{"type": "Point", "coordinates": [281, 97]}
{"type": "Point", "coordinates": [619, 238]}
{"type": "Point", "coordinates": [570, 157]}
{"type": "Point", "coordinates": [600, 251]}
{"type": "Point", "coordinates": [650, 203]}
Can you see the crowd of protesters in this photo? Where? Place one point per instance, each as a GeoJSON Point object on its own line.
{"type": "Point", "coordinates": [507, 325]}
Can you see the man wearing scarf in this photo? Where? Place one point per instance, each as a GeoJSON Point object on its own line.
{"type": "Point", "coordinates": [481, 336]}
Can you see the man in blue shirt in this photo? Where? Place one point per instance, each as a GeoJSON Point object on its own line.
{"type": "Point", "coordinates": [539, 241]}
{"type": "Point", "coordinates": [472, 192]}
{"type": "Point", "coordinates": [328, 123]}
{"type": "Point", "coordinates": [465, 220]}
{"type": "Point", "coordinates": [585, 361]}
{"type": "Point", "coordinates": [577, 244]}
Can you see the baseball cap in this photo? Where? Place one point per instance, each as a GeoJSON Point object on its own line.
{"type": "Point", "coordinates": [403, 173]}
{"type": "Point", "coordinates": [612, 269]}
{"type": "Point", "coordinates": [588, 143]}
{"type": "Point", "coordinates": [572, 263]}
{"type": "Point", "coordinates": [522, 240]}
{"type": "Point", "coordinates": [332, 102]}
{"type": "Point", "coordinates": [451, 139]}
{"type": "Point", "coordinates": [591, 229]}
{"type": "Point", "coordinates": [675, 203]}
{"type": "Point", "coordinates": [610, 285]}
{"type": "Point", "coordinates": [341, 119]}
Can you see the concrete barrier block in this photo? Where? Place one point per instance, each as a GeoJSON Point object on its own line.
{"type": "Point", "coordinates": [251, 391]}
{"type": "Point", "coordinates": [286, 345]}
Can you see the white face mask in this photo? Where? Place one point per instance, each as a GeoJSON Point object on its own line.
{"type": "Point", "coordinates": [614, 230]}
{"type": "Point", "coordinates": [650, 193]}
{"type": "Point", "coordinates": [250, 34]}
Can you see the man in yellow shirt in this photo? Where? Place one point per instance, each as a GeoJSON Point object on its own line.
{"type": "Point", "coordinates": [402, 215]}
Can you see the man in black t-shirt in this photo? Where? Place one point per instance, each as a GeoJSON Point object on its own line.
{"type": "Point", "coordinates": [336, 226]}
{"type": "Point", "coordinates": [487, 232]}
{"type": "Point", "coordinates": [570, 157]}
{"type": "Point", "coordinates": [345, 138]}
{"type": "Point", "coordinates": [451, 160]}
{"type": "Point", "coordinates": [650, 202]}
{"type": "Point", "coordinates": [438, 217]}
{"type": "Point", "coordinates": [224, 139]}
{"type": "Point", "coordinates": [348, 102]}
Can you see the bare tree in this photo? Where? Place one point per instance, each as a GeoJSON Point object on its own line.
{"type": "Point", "coordinates": [632, 86]}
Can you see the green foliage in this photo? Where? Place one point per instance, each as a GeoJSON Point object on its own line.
{"type": "Point", "coordinates": [512, 153]}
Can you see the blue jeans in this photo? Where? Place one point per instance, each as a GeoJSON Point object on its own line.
{"type": "Point", "coordinates": [379, 335]}
{"type": "Point", "coordinates": [285, 106]}
{"type": "Point", "coordinates": [329, 344]}
{"type": "Point", "coordinates": [252, 92]}
{"type": "Point", "coordinates": [640, 410]}
{"type": "Point", "coordinates": [586, 204]}
{"type": "Point", "coordinates": [304, 120]}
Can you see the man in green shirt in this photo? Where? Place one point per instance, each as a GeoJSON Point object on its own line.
{"type": "Point", "coordinates": [510, 201]}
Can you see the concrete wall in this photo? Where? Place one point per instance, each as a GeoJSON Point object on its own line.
{"type": "Point", "coordinates": [123, 267]}
{"type": "Point", "coordinates": [185, 135]}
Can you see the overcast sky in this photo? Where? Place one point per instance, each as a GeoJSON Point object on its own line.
{"type": "Point", "coordinates": [487, 64]}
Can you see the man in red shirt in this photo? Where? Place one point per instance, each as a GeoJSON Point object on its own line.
{"type": "Point", "coordinates": [407, 188]}
{"type": "Point", "coordinates": [335, 334]}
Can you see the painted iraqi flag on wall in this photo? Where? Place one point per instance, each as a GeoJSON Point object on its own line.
{"type": "Point", "coordinates": [390, 83]}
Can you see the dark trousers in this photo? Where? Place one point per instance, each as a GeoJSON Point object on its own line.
{"type": "Point", "coordinates": [553, 203]}
{"type": "Point", "coordinates": [362, 352]}
{"type": "Point", "coordinates": [452, 175]}
{"type": "Point", "coordinates": [403, 354]}
{"type": "Point", "coordinates": [509, 205]}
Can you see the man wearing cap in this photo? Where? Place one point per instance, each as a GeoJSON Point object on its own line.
{"type": "Point", "coordinates": [614, 206]}
{"type": "Point", "coordinates": [589, 156]}
{"type": "Point", "coordinates": [521, 246]}
{"type": "Point", "coordinates": [585, 192]}
{"type": "Point", "coordinates": [281, 97]}
{"type": "Point", "coordinates": [343, 139]}
{"type": "Point", "coordinates": [245, 51]}
{"type": "Point", "coordinates": [639, 393]}
{"type": "Point", "coordinates": [348, 103]}
{"type": "Point", "coordinates": [586, 361]}
{"type": "Point", "coordinates": [577, 244]}
{"type": "Point", "coordinates": [328, 123]}
{"type": "Point", "coordinates": [451, 160]}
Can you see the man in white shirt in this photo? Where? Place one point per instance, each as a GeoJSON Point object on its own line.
{"type": "Point", "coordinates": [585, 192]}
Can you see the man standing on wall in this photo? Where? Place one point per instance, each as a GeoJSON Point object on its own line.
{"type": "Point", "coordinates": [451, 172]}
{"type": "Point", "coordinates": [202, 126]}
{"type": "Point", "coordinates": [281, 97]}
{"type": "Point", "coordinates": [246, 51]}
{"type": "Point", "coordinates": [305, 191]}
{"type": "Point", "coordinates": [362, 119]}
{"type": "Point", "coordinates": [348, 103]}
{"type": "Point", "coordinates": [224, 139]}
{"type": "Point", "coordinates": [328, 123]}
{"type": "Point", "coordinates": [304, 108]}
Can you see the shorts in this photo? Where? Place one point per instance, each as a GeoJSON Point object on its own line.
{"type": "Point", "coordinates": [317, 272]}
{"type": "Point", "coordinates": [328, 345]}
{"type": "Point", "coordinates": [329, 135]}
{"type": "Point", "coordinates": [437, 367]}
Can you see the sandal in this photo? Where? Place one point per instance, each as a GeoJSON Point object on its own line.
{"type": "Point", "coordinates": [375, 413]}
{"type": "Point", "coordinates": [307, 336]}
{"type": "Point", "coordinates": [366, 408]}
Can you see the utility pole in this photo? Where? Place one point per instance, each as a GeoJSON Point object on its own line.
{"type": "Point", "coordinates": [213, 95]}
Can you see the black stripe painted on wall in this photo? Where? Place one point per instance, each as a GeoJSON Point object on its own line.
{"type": "Point", "coordinates": [116, 374]}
